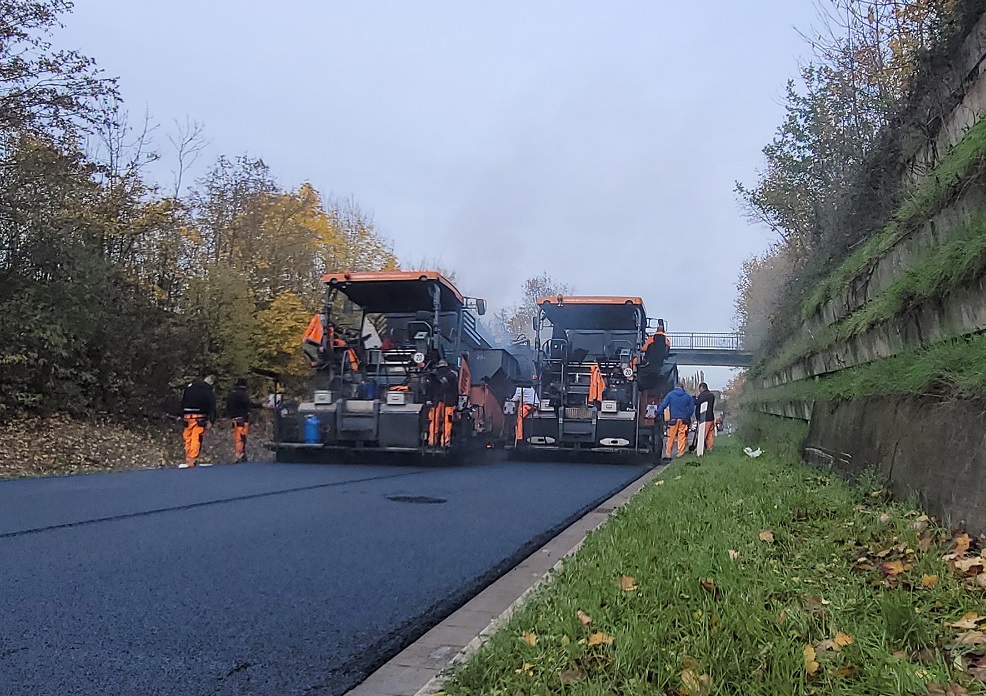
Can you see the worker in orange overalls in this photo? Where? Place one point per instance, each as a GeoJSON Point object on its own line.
{"type": "Point", "coordinates": [198, 405]}
{"type": "Point", "coordinates": [656, 347]}
{"type": "Point", "coordinates": [445, 397]}
{"type": "Point", "coordinates": [526, 398]}
{"type": "Point", "coordinates": [597, 385]}
{"type": "Point", "coordinates": [238, 406]}
{"type": "Point", "coordinates": [681, 405]}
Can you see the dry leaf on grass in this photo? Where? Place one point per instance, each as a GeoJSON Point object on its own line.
{"type": "Point", "coordinates": [843, 639]}
{"type": "Point", "coordinates": [844, 671]}
{"type": "Point", "coordinates": [969, 621]}
{"type": "Point", "coordinates": [971, 638]}
{"type": "Point", "coordinates": [709, 585]}
{"type": "Point", "coordinates": [525, 669]}
{"type": "Point", "coordinates": [766, 535]}
{"type": "Point", "coordinates": [571, 676]}
{"type": "Point", "coordinates": [600, 639]}
{"type": "Point", "coordinates": [733, 554]}
{"type": "Point", "coordinates": [895, 567]}
{"type": "Point", "coordinates": [950, 690]}
{"type": "Point", "coordinates": [811, 664]}
{"type": "Point", "coordinates": [659, 482]}
{"type": "Point", "coordinates": [628, 583]}
{"type": "Point", "coordinates": [530, 638]}
{"type": "Point", "coordinates": [696, 684]}
{"type": "Point", "coordinates": [962, 543]}
{"type": "Point", "coordinates": [929, 581]}
{"type": "Point", "coordinates": [584, 618]}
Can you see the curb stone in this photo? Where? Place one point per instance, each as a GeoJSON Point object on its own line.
{"type": "Point", "coordinates": [420, 669]}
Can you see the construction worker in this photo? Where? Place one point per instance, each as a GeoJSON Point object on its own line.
{"type": "Point", "coordinates": [597, 385]}
{"type": "Point", "coordinates": [238, 406]}
{"type": "Point", "coordinates": [706, 419]}
{"type": "Point", "coordinates": [656, 347]}
{"type": "Point", "coordinates": [526, 398]}
{"type": "Point", "coordinates": [680, 405]}
{"type": "Point", "coordinates": [198, 405]}
{"type": "Point", "coordinates": [445, 397]}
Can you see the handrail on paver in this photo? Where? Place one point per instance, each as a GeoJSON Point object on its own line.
{"type": "Point", "coordinates": [706, 341]}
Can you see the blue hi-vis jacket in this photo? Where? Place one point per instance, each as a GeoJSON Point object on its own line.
{"type": "Point", "coordinates": [681, 402]}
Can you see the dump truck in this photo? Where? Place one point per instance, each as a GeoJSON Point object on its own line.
{"type": "Point", "coordinates": [589, 360]}
{"type": "Point", "coordinates": [401, 364]}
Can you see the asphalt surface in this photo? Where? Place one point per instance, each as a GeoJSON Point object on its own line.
{"type": "Point", "coordinates": [258, 578]}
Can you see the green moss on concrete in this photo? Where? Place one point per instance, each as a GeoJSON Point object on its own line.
{"type": "Point", "coordinates": [951, 369]}
{"type": "Point", "coordinates": [951, 265]}
{"type": "Point", "coordinates": [964, 163]}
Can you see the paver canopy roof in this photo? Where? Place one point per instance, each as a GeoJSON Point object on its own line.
{"type": "Point", "coordinates": [594, 313]}
{"type": "Point", "coordinates": [389, 292]}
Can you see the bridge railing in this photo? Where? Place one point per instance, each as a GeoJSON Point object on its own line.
{"type": "Point", "coordinates": [706, 341]}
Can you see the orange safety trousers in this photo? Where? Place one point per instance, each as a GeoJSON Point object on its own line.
{"type": "Point", "coordinates": [523, 410]}
{"type": "Point", "coordinates": [677, 430]}
{"type": "Point", "coordinates": [193, 438]}
{"type": "Point", "coordinates": [710, 434]}
{"type": "Point", "coordinates": [241, 429]}
{"type": "Point", "coordinates": [440, 425]}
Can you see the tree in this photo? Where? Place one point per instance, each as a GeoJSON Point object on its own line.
{"type": "Point", "coordinates": [760, 290]}
{"type": "Point", "coordinates": [515, 321]}
{"type": "Point", "coordinates": [42, 89]}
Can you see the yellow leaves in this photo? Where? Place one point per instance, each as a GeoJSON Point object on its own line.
{"type": "Point", "coordinates": [600, 638]}
{"type": "Point", "coordinates": [696, 684]}
{"type": "Point", "coordinates": [811, 664]}
{"type": "Point", "coordinates": [709, 585]}
{"type": "Point", "coordinates": [659, 482]}
{"type": "Point", "coordinates": [526, 669]}
{"type": "Point", "coordinates": [843, 639]}
{"type": "Point", "coordinates": [962, 543]}
{"type": "Point", "coordinates": [836, 644]}
{"type": "Point", "coordinates": [893, 568]}
{"type": "Point", "coordinates": [530, 638]}
{"type": "Point", "coordinates": [969, 620]}
{"type": "Point", "coordinates": [584, 618]}
{"type": "Point", "coordinates": [929, 581]}
{"type": "Point", "coordinates": [766, 535]}
{"type": "Point", "coordinates": [628, 583]}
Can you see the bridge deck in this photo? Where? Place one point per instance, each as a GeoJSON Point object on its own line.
{"type": "Point", "coordinates": [710, 349]}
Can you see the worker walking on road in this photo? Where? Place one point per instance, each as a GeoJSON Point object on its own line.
{"type": "Point", "coordinates": [680, 404]}
{"type": "Point", "coordinates": [238, 407]}
{"type": "Point", "coordinates": [705, 416]}
{"type": "Point", "coordinates": [198, 405]}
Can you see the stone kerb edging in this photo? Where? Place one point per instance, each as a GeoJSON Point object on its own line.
{"type": "Point", "coordinates": [796, 410]}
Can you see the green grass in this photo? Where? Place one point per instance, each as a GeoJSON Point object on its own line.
{"type": "Point", "coordinates": [949, 266]}
{"type": "Point", "coordinates": [774, 599]}
{"type": "Point", "coordinates": [952, 369]}
{"type": "Point", "coordinates": [962, 164]}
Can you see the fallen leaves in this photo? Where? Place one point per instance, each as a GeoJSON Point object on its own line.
{"type": "Point", "coordinates": [584, 618]}
{"type": "Point", "coordinates": [709, 585]}
{"type": "Point", "coordinates": [935, 689]}
{"type": "Point", "coordinates": [600, 638]}
{"type": "Point", "coordinates": [969, 621]}
{"type": "Point", "coordinates": [962, 543]}
{"type": "Point", "coordinates": [895, 567]}
{"type": "Point", "coordinates": [696, 684]}
{"type": "Point", "coordinates": [571, 676]}
{"type": "Point", "coordinates": [628, 583]}
{"type": "Point", "coordinates": [929, 581]}
{"type": "Point", "coordinates": [659, 482]}
{"type": "Point", "coordinates": [766, 535]}
{"type": "Point", "coordinates": [733, 554]}
{"type": "Point", "coordinates": [811, 663]}
{"type": "Point", "coordinates": [530, 638]}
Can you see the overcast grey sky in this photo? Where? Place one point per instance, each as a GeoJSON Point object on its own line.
{"type": "Point", "coordinates": [597, 141]}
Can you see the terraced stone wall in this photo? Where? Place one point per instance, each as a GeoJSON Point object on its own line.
{"type": "Point", "coordinates": [889, 365]}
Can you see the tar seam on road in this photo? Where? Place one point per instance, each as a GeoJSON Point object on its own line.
{"type": "Point", "coordinates": [205, 503]}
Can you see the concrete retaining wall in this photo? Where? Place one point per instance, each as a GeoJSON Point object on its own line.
{"type": "Point", "coordinates": [931, 451]}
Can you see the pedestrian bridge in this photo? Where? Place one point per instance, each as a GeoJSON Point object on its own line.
{"type": "Point", "coordinates": [710, 349]}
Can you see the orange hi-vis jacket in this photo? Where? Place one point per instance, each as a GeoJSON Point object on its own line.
{"type": "Point", "coordinates": [315, 332]}
{"type": "Point", "coordinates": [597, 385]}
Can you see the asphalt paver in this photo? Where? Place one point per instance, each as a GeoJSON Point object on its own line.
{"type": "Point", "coordinates": [258, 578]}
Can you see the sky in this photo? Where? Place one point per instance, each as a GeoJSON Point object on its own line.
{"type": "Point", "coordinates": [599, 142]}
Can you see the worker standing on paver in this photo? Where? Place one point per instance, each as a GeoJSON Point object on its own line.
{"type": "Point", "coordinates": [680, 405]}
{"type": "Point", "coordinates": [198, 405]}
{"type": "Point", "coordinates": [526, 398]}
{"type": "Point", "coordinates": [706, 418]}
{"type": "Point", "coordinates": [238, 407]}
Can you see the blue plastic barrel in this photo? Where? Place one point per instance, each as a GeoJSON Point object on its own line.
{"type": "Point", "coordinates": [368, 390]}
{"type": "Point", "coordinates": [313, 430]}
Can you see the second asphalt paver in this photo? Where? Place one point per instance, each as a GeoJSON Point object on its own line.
{"type": "Point", "coordinates": [261, 578]}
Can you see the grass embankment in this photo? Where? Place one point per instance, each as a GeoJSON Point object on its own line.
{"type": "Point", "coordinates": [734, 575]}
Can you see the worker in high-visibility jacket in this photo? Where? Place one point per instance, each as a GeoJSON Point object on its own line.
{"type": "Point", "coordinates": [706, 418]}
{"type": "Point", "coordinates": [444, 389]}
{"type": "Point", "coordinates": [198, 405]}
{"type": "Point", "coordinates": [597, 385]}
{"type": "Point", "coordinates": [656, 347]}
{"type": "Point", "coordinates": [526, 398]}
{"type": "Point", "coordinates": [680, 405]}
{"type": "Point", "coordinates": [238, 407]}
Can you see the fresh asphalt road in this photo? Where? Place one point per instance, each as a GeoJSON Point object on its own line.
{"type": "Point", "coordinates": [257, 578]}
